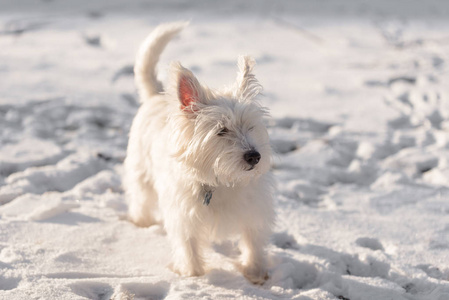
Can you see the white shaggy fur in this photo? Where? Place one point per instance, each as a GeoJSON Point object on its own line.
{"type": "Point", "coordinates": [188, 143]}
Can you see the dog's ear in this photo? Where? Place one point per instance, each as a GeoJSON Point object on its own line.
{"type": "Point", "coordinates": [248, 87]}
{"type": "Point", "coordinates": [188, 89]}
{"type": "Point", "coordinates": [188, 92]}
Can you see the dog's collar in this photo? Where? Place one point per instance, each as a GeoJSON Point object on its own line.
{"type": "Point", "coordinates": [207, 191]}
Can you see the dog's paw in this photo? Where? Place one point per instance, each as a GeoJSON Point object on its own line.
{"type": "Point", "coordinates": [141, 222]}
{"type": "Point", "coordinates": [140, 219]}
{"type": "Point", "coordinates": [256, 275]}
{"type": "Point", "coordinates": [189, 271]}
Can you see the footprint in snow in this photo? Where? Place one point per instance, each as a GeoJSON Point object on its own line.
{"type": "Point", "coordinates": [302, 124]}
{"type": "Point", "coordinates": [145, 290]}
{"type": "Point", "coordinates": [292, 274]}
{"type": "Point", "coordinates": [284, 240]}
{"type": "Point", "coordinates": [92, 289]}
{"type": "Point", "coordinates": [370, 243]}
{"type": "Point", "coordinates": [9, 283]}
{"type": "Point", "coordinates": [434, 272]}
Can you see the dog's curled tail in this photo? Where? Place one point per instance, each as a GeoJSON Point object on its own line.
{"type": "Point", "coordinates": [148, 56]}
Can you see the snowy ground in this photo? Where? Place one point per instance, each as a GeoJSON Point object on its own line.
{"type": "Point", "coordinates": [359, 97]}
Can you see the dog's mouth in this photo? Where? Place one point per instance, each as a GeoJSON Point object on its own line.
{"type": "Point", "coordinates": [251, 168]}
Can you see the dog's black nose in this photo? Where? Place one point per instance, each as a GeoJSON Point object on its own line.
{"type": "Point", "coordinates": [252, 157]}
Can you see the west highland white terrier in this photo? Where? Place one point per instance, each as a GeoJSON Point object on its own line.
{"type": "Point", "coordinates": [199, 159]}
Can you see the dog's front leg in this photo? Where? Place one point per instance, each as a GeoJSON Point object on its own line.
{"type": "Point", "coordinates": [253, 260]}
{"type": "Point", "coordinates": [187, 243]}
{"type": "Point", "coordinates": [187, 256]}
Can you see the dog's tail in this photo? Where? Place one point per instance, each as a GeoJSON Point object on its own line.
{"type": "Point", "coordinates": [148, 56]}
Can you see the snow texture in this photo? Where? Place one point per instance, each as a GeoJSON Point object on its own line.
{"type": "Point", "coordinates": [358, 93]}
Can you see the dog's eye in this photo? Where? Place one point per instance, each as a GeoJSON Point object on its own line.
{"type": "Point", "coordinates": [223, 131]}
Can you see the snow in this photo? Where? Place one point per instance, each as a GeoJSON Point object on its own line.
{"type": "Point", "coordinates": [358, 93]}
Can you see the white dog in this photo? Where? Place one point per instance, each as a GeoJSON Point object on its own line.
{"type": "Point", "coordinates": [201, 156]}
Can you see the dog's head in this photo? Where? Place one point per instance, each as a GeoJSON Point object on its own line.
{"type": "Point", "coordinates": [220, 135]}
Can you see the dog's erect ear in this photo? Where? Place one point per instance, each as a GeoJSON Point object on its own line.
{"type": "Point", "coordinates": [188, 93]}
{"type": "Point", "coordinates": [188, 89]}
{"type": "Point", "coordinates": [247, 85]}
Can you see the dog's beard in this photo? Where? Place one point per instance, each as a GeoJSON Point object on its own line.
{"type": "Point", "coordinates": [231, 169]}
